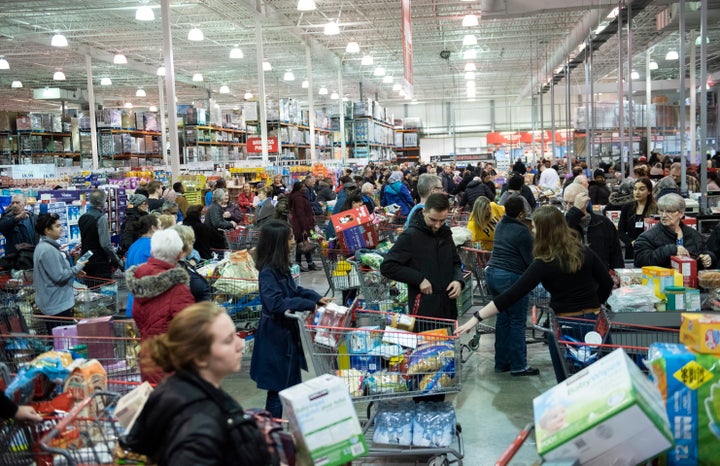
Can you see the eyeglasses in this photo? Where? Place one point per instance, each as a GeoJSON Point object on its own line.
{"type": "Point", "coordinates": [667, 212]}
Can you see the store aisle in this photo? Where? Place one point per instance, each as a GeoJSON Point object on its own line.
{"type": "Point", "coordinates": [491, 408]}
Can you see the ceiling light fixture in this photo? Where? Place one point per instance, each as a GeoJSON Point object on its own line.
{"type": "Point", "coordinates": [352, 47]}
{"type": "Point", "coordinates": [469, 75]}
{"type": "Point", "coordinates": [306, 5]}
{"type": "Point", "coordinates": [4, 65]}
{"type": "Point", "coordinates": [470, 84]}
{"type": "Point", "coordinates": [469, 54]}
{"type": "Point", "coordinates": [59, 40]}
{"type": "Point", "coordinates": [128, 105]}
{"type": "Point", "coordinates": [334, 96]}
{"type": "Point", "coordinates": [653, 65]}
{"type": "Point", "coordinates": [248, 95]}
{"type": "Point", "coordinates": [120, 59]}
{"type": "Point", "coordinates": [289, 76]}
{"type": "Point", "coordinates": [197, 77]}
{"type": "Point", "coordinates": [331, 29]}
{"type": "Point", "coordinates": [367, 60]}
{"type": "Point", "coordinates": [152, 108]}
{"type": "Point", "coordinates": [671, 55]}
{"type": "Point", "coordinates": [387, 79]}
{"type": "Point", "coordinates": [305, 84]}
{"type": "Point", "coordinates": [470, 19]}
{"type": "Point", "coordinates": [470, 66]}
{"type": "Point", "coordinates": [224, 89]}
{"type": "Point", "coordinates": [106, 82]}
{"type": "Point", "coordinates": [323, 90]}
{"type": "Point", "coordinates": [634, 75]}
{"type": "Point", "coordinates": [144, 13]}
{"type": "Point", "coordinates": [59, 76]}
{"type": "Point", "coordinates": [471, 93]}
{"type": "Point", "coordinates": [698, 40]}
{"type": "Point", "coordinates": [267, 66]}
{"type": "Point", "coordinates": [396, 87]}
{"type": "Point", "coordinates": [196, 35]}
{"type": "Point", "coordinates": [161, 71]}
{"type": "Point", "coordinates": [469, 40]}
{"type": "Point", "coordinates": [379, 71]}
{"type": "Point", "coordinates": [236, 52]}
{"type": "Point", "coordinates": [140, 93]}
{"type": "Point", "coordinates": [16, 84]}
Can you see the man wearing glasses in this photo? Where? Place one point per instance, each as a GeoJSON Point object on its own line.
{"type": "Point", "coordinates": [427, 184]}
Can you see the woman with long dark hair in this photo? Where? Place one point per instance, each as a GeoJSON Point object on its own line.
{"type": "Point", "coordinates": [633, 214]}
{"type": "Point", "coordinates": [278, 355]}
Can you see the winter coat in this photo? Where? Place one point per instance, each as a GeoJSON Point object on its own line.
{"type": "Point", "coordinates": [53, 278]}
{"type": "Point", "coordinates": [206, 239]}
{"type": "Point", "coordinates": [138, 254]}
{"type": "Point", "coordinates": [199, 287]}
{"type": "Point", "coordinates": [628, 228]}
{"type": "Point", "coordinates": [398, 193]}
{"type": "Point", "coordinates": [183, 424]}
{"type": "Point", "coordinates": [656, 245]}
{"type": "Point", "coordinates": [265, 211]}
{"type": "Point", "coordinates": [326, 193]}
{"type": "Point", "coordinates": [18, 232]}
{"type": "Point", "coordinates": [475, 189]}
{"type": "Point", "coordinates": [128, 230]}
{"type": "Point", "coordinates": [421, 254]}
{"type": "Point", "coordinates": [448, 182]}
{"type": "Point", "coordinates": [599, 193]}
{"type": "Point", "coordinates": [214, 218]}
{"type": "Point", "coordinates": [302, 218]}
{"type": "Point", "coordinates": [245, 201]}
{"type": "Point", "coordinates": [600, 235]}
{"type": "Point", "coordinates": [278, 355]}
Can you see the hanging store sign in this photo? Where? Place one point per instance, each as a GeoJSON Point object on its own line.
{"type": "Point", "coordinates": [406, 25]}
{"type": "Point", "coordinates": [254, 145]}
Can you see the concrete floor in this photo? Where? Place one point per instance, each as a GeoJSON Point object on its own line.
{"type": "Point", "coordinates": [491, 408]}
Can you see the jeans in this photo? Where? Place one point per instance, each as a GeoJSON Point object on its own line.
{"type": "Point", "coordinates": [510, 347]}
{"type": "Point", "coordinates": [273, 404]}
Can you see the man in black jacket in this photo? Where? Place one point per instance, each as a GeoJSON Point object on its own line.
{"type": "Point", "coordinates": [95, 237]}
{"type": "Point", "coordinates": [17, 225]}
{"type": "Point", "coordinates": [597, 231]}
{"type": "Point", "coordinates": [425, 258]}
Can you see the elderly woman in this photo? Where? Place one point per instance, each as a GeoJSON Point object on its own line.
{"type": "Point", "coordinates": [199, 287]}
{"type": "Point", "coordinates": [246, 198]}
{"type": "Point", "coordinates": [161, 290]}
{"type": "Point", "coordinates": [671, 237]}
{"type": "Point", "coordinates": [215, 217]}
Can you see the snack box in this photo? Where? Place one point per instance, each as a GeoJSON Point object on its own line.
{"type": "Point", "coordinates": [690, 385]}
{"type": "Point", "coordinates": [687, 267]}
{"type": "Point", "coordinates": [700, 332]}
{"type": "Point", "coordinates": [608, 413]}
{"type": "Point", "coordinates": [659, 278]}
{"type": "Point", "coordinates": [323, 420]}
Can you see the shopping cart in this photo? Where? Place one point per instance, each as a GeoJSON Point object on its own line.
{"type": "Point", "coordinates": [240, 297]}
{"type": "Point", "coordinates": [95, 297]}
{"type": "Point", "coordinates": [570, 353]}
{"type": "Point", "coordinates": [374, 287]}
{"type": "Point", "coordinates": [242, 237]}
{"type": "Point", "coordinates": [87, 435]}
{"type": "Point", "coordinates": [19, 442]}
{"type": "Point", "coordinates": [341, 273]}
{"type": "Point", "coordinates": [459, 218]}
{"type": "Point", "coordinates": [476, 260]}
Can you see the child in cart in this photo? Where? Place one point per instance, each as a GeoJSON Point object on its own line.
{"type": "Point", "coordinates": [575, 277]}
{"type": "Point", "coordinates": [278, 355]}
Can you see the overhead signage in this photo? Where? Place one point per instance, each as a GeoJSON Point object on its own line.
{"type": "Point", "coordinates": [254, 145]}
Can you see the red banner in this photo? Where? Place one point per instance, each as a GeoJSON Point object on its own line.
{"type": "Point", "coordinates": [254, 145]}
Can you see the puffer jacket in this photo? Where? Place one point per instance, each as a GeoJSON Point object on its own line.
{"type": "Point", "coordinates": [474, 190]}
{"type": "Point", "coordinates": [656, 245]}
{"type": "Point", "coordinates": [600, 235]}
{"type": "Point", "coordinates": [398, 193]}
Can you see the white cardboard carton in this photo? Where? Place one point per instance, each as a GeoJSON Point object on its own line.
{"type": "Point", "coordinates": [323, 420]}
{"type": "Point", "coordinates": [608, 413]}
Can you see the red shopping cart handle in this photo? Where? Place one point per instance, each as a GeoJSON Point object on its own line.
{"type": "Point", "coordinates": [515, 445]}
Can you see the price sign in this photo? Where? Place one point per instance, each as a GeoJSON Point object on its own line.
{"type": "Point", "coordinates": [41, 171]}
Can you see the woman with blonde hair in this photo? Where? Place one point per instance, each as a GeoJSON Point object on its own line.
{"type": "Point", "coordinates": [199, 287]}
{"type": "Point", "coordinates": [484, 216]}
{"type": "Point", "coordinates": [189, 418]}
{"type": "Point", "coordinates": [575, 277]}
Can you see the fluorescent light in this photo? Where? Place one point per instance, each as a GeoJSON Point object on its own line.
{"type": "Point", "coordinates": [613, 13]}
{"type": "Point", "coordinates": [144, 13]}
{"type": "Point", "coordinates": [289, 76]}
{"type": "Point", "coordinates": [698, 40]}
{"type": "Point", "coordinates": [224, 89]}
{"type": "Point", "coordinates": [387, 79]}
{"type": "Point", "coordinates": [306, 5]}
{"type": "Point", "coordinates": [469, 20]}
{"type": "Point", "coordinates": [140, 93]}
{"type": "Point", "coordinates": [196, 35]}
{"type": "Point", "coordinates": [119, 59]}
{"type": "Point", "coordinates": [59, 76]}
{"type": "Point", "coordinates": [16, 84]}
{"type": "Point", "coordinates": [470, 66]}
{"type": "Point", "coordinates": [671, 55]}
{"type": "Point", "coordinates": [267, 66]}
{"type": "Point", "coordinates": [248, 95]}
{"type": "Point", "coordinates": [346, 99]}
{"type": "Point", "coordinates": [469, 75]}
{"type": "Point", "coordinates": [471, 93]}
{"type": "Point", "coordinates": [106, 82]}
{"type": "Point", "coordinates": [634, 75]}
{"type": "Point", "coordinates": [152, 108]}
{"type": "Point", "coordinates": [331, 29]}
{"type": "Point", "coordinates": [352, 47]}
{"type": "Point", "coordinates": [305, 84]}
{"type": "Point", "coordinates": [59, 40]}
{"type": "Point", "coordinates": [397, 87]}
{"type": "Point", "coordinates": [128, 105]}
{"type": "Point", "coordinates": [379, 71]}
{"type": "Point", "coordinates": [470, 84]}
{"type": "Point", "coordinates": [323, 90]}
{"type": "Point", "coordinates": [367, 60]}
{"type": "Point", "coordinates": [236, 52]}
{"type": "Point", "coordinates": [469, 54]}
{"type": "Point", "coordinates": [161, 71]}
{"type": "Point", "coordinates": [4, 65]}
{"type": "Point", "coordinates": [653, 65]}
{"type": "Point", "coordinates": [197, 77]}
{"type": "Point", "coordinates": [469, 40]}
{"type": "Point", "coordinates": [334, 96]}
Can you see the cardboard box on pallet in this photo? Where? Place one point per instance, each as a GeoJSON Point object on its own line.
{"type": "Point", "coordinates": [323, 420]}
{"type": "Point", "coordinates": [690, 385]}
{"type": "Point", "coordinates": [701, 332]}
{"type": "Point", "coordinates": [608, 413]}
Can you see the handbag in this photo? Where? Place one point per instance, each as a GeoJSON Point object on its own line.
{"type": "Point", "coordinates": [306, 246]}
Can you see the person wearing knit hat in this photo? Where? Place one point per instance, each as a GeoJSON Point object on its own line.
{"type": "Point", "coordinates": [137, 208]}
{"type": "Point", "coordinates": [394, 177]}
{"type": "Point", "coordinates": [597, 188]}
{"type": "Point", "coordinates": [137, 199]}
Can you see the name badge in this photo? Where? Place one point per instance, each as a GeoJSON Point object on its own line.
{"type": "Point", "coordinates": [639, 224]}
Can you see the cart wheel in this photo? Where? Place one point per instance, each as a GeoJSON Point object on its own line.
{"type": "Point", "coordinates": [474, 342]}
{"type": "Point", "coordinates": [440, 460]}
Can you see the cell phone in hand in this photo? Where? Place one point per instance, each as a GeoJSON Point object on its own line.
{"type": "Point", "coordinates": [85, 257]}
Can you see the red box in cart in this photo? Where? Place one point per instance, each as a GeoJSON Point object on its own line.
{"type": "Point", "coordinates": [355, 229]}
{"type": "Point", "coordinates": [687, 266]}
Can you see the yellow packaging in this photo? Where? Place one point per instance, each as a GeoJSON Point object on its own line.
{"type": "Point", "coordinates": [659, 278]}
{"type": "Point", "coordinates": [700, 332]}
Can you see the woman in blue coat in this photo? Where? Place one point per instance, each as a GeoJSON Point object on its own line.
{"type": "Point", "coordinates": [278, 355]}
{"type": "Point", "coordinates": [397, 193]}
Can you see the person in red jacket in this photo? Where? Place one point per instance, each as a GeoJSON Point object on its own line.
{"type": "Point", "coordinates": [302, 221]}
{"type": "Point", "coordinates": [161, 290]}
{"type": "Point", "coordinates": [245, 199]}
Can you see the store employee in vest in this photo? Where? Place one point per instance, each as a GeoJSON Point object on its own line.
{"type": "Point", "coordinates": [17, 225]}
{"type": "Point", "coordinates": [95, 237]}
